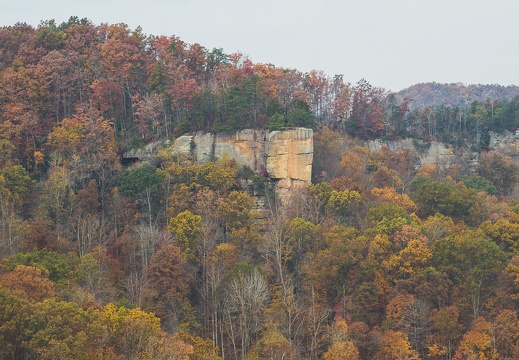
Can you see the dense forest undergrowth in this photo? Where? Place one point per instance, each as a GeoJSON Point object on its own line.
{"type": "Point", "coordinates": [375, 260]}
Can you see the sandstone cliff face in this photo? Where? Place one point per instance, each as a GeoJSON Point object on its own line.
{"type": "Point", "coordinates": [286, 156]}
{"type": "Point", "coordinates": [289, 159]}
{"type": "Point", "coordinates": [430, 153]}
{"type": "Point", "coordinates": [290, 154]}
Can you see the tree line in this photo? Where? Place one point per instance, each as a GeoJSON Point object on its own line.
{"type": "Point", "coordinates": [157, 87]}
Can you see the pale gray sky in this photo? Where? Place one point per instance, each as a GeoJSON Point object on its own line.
{"type": "Point", "coordinates": [391, 43]}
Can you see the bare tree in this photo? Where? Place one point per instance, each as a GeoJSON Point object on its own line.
{"type": "Point", "coordinates": [148, 236]}
{"type": "Point", "coordinates": [418, 324]}
{"type": "Point", "coordinates": [276, 248]}
{"type": "Point", "coordinates": [13, 230]}
{"type": "Point", "coordinates": [247, 296]}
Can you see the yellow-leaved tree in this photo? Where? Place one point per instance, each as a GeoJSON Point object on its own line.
{"type": "Point", "coordinates": [341, 348]}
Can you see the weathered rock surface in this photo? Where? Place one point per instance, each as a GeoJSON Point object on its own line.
{"type": "Point", "coordinates": [286, 156]}
{"type": "Point", "coordinates": [429, 153]}
{"type": "Point", "coordinates": [146, 153]}
{"type": "Point", "coordinates": [290, 154]}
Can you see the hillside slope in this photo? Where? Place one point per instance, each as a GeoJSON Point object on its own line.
{"type": "Point", "coordinates": [456, 94]}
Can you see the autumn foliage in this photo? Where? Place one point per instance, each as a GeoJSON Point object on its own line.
{"type": "Point", "coordinates": [172, 259]}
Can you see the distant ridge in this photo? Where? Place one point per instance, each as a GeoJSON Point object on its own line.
{"type": "Point", "coordinates": [455, 94]}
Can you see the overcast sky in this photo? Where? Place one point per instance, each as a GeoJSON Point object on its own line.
{"type": "Point", "coordinates": [391, 43]}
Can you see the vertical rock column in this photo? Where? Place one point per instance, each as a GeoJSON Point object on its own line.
{"type": "Point", "coordinates": [289, 159]}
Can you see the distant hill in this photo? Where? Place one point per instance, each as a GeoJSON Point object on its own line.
{"type": "Point", "coordinates": [434, 94]}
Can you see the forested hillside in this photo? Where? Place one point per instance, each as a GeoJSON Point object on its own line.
{"type": "Point", "coordinates": [435, 94]}
{"type": "Point", "coordinates": [174, 259]}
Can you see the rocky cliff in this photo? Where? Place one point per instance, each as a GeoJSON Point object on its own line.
{"type": "Point", "coordinates": [444, 155]}
{"type": "Point", "coordinates": [286, 156]}
{"type": "Point", "coordinates": [429, 153]}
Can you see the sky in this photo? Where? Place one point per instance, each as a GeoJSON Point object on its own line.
{"type": "Point", "coordinates": [391, 43]}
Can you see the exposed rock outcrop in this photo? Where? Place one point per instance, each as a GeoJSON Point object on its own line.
{"type": "Point", "coordinates": [506, 142]}
{"type": "Point", "coordinates": [290, 154]}
{"type": "Point", "coordinates": [144, 154]}
{"type": "Point", "coordinates": [429, 153]}
{"type": "Point", "coordinates": [289, 158]}
{"type": "Point", "coordinates": [286, 156]}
